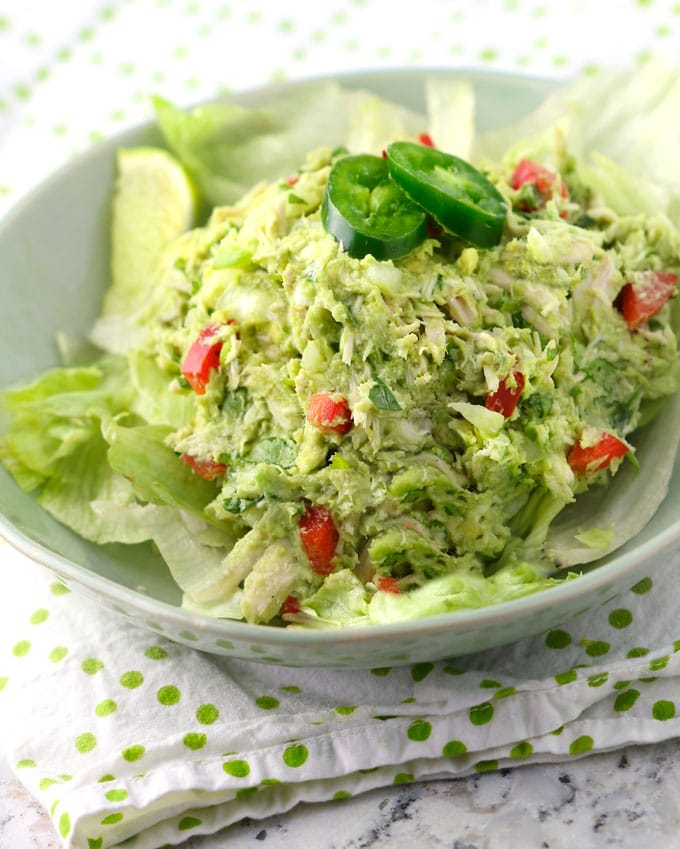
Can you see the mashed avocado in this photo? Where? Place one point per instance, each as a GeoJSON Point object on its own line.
{"type": "Point", "coordinates": [462, 379]}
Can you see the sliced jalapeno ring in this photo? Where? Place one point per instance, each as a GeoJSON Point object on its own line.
{"type": "Point", "coordinates": [452, 191]}
{"type": "Point", "coordinates": [367, 211]}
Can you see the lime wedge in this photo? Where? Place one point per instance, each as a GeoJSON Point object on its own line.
{"type": "Point", "coordinates": [154, 202]}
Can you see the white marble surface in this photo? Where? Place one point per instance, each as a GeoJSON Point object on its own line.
{"type": "Point", "coordinates": [627, 799]}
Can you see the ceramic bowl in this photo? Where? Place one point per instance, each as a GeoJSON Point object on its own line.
{"type": "Point", "coordinates": [53, 272]}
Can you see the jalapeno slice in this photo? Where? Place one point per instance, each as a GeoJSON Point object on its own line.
{"type": "Point", "coordinates": [451, 190]}
{"type": "Point", "coordinates": [368, 213]}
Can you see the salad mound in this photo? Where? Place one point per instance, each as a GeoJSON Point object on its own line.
{"type": "Point", "coordinates": [375, 386]}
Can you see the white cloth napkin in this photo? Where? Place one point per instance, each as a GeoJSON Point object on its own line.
{"type": "Point", "coordinates": [125, 736]}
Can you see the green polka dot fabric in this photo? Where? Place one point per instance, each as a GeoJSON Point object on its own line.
{"type": "Point", "coordinates": [127, 737]}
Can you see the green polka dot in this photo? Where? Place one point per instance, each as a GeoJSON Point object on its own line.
{"type": "Point", "coordinates": [39, 616]}
{"type": "Point", "coordinates": [112, 819]}
{"type": "Point", "coordinates": [342, 794]}
{"type": "Point", "coordinates": [117, 795]}
{"type": "Point", "coordinates": [419, 730]}
{"type": "Point", "coordinates": [22, 648]}
{"type": "Point", "coordinates": [188, 635]}
{"type": "Point", "coordinates": [504, 692]}
{"type": "Point", "coordinates": [621, 685]}
{"type": "Point", "coordinates": [663, 710]}
{"type": "Point", "coordinates": [595, 648]}
{"type": "Point", "coordinates": [237, 768]}
{"type": "Point", "coordinates": [4, 680]}
{"type": "Point", "coordinates": [207, 714]}
{"type": "Point", "coordinates": [156, 653]}
{"type": "Point", "coordinates": [381, 670]}
{"type": "Point", "coordinates": [26, 763]}
{"type": "Point", "coordinates": [195, 741]}
{"type": "Point", "coordinates": [46, 783]}
{"type": "Point", "coordinates": [85, 742]}
{"type": "Point", "coordinates": [345, 710]}
{"type": "Point", "coordinates": [267, 702]}
{"type": "Point", "coordinates": [188, 822]}
{"type": "Point", "coordinates": [95, 842]}
{"type": "Point", "coordinates": [659, 663]}
{"type": "Point", "coordinates": [638, 651]}
{"type": "Point", "coordinates": [4, 23]}
{"type": "Point", "coordinates": [107, 777]}
{"type": "Point", "coordinates": [453, 670]}
{"type": "Point", "coordinates": [481, 714]}
{"type": "Point", "coordinates": [57, 588]}
{"type": "Point", "coordinates": [244, 792]}
{"type": "Point", "coordinates": [106, 707]}
{"type": "Point", "coordinates": [620, 618]}
{"type": "Point", "coordinates": [402, 778]}
{"type": "Point", "coordinates": [58, 653]}
{"type": "Point", "coordinates": [168, 695]}
{"type": "Point", "coordinates": [643, 586]}
{"type": "Point", "coordinates": [224, 644]}
{"type": "Point", "coordinates": [91, 665]}
{"type": "Point", "coordinates": [419, 671]}
{"type": "Point", "coordinates": [598, 680]}
{"type": "Point", "coordinates": [625, 701]}
{"type": "Point", "coordinates": [132, 679]}
{"type": "Point", "coordinates": [454, 749]}
{"type": "Point", "coordinates": [522, 750]}
{"type": "Point", "coordinates": [488, 54]}
{"type": "Point", "coordinates": [581, 745]}
{"type": "Point", "coordinates": [295, 756]}
{"type": "Point", "coordinates": [489, 684]}
{"type": "Point", "coordinates": [64, 824]}
{"type": "Point", "coordinates": [133, 753]}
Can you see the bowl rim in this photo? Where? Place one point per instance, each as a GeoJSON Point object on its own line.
{"type": "Point", "coordinates": [596, 578]}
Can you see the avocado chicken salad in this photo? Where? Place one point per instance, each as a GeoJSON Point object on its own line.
{"type": "Point", "coordinates": [369, 387]}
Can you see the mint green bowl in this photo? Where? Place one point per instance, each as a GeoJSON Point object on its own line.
{"type": "Point", "coordinates": [53, 272]}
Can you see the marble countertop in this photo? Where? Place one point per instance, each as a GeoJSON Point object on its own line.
{"type": "Point", "coordinates": [626, 798]}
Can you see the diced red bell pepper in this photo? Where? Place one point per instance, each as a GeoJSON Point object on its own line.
{"type": "Point", "coordinates": [593, 458]}
{"type": "Point", "coordinates": [319, 538]}
{"type": "Point", "coordinates": [528, 171]}
{"type": "Point", "coordinates": [426, 139]}
{"type": "Point", "coordinates": [202, 358]}
{"type": "Point", "coordinates": [206, 469]}
{"type": "Point", "coordinates": [329, 412]}
{"type": "Point", "coordinates": [639, 301]}
{"type": "Point", "coordinates": [388, 585]}
{"type": "Point", "coordinates": [291, 605]}
{"type": "Point", "coordinates": [505, 398]}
